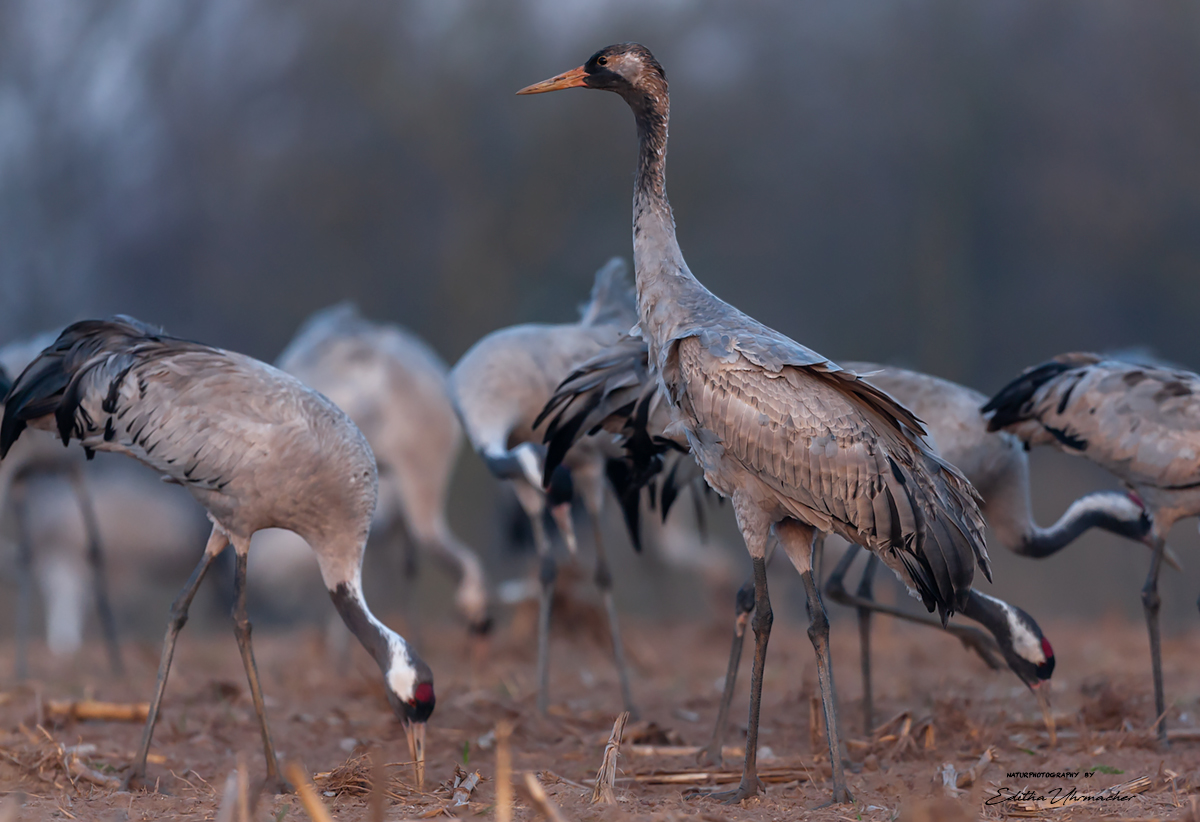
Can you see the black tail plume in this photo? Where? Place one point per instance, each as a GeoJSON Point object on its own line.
{"type": "Point", "coordinates": [628, 493]}
{"type": "Point", "coordinates": [1011, 404]}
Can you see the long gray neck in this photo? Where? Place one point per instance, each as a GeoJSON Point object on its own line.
{"type": "Point", "coordinates": [663, 279]}
{"type": "Point", "coordinates": [377, 638]}
{"type": "Point", "coordinates": [1109, 510]}
{"type": "Point", "coordinates": [391, 652]}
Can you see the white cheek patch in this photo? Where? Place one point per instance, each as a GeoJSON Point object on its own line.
{"type": "Point", "coordinates": [401, 676]}
{"type": "Point", "coordinates": [1025, 642]}
{"type": "Point", "coordinates": [530, 464]}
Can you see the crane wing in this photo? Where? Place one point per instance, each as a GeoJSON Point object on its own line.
{"type": "Point", "coordinates": [1140, 422]}
{"type": "Point", "coordinates": [840, 454]}
{"type": "Point", "coordinates": [126, 387]}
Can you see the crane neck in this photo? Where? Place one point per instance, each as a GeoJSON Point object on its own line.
{"type": "Point", "coordinates": [1111, 511]}
{"type": "Point", "coordinates": [389, 649]}
{"type": "Point", "coordinates": [652, 113]}
{"type": "Point", "coordinates": [1016, 633]}
{"type": "Point", "coordinates": [663, 280]}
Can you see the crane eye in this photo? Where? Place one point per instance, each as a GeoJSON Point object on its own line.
{"type": "Point", "coordinates": [602, 61]}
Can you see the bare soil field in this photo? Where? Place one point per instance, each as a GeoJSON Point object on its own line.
{"type": "Point", "coordinates": [328, 715]}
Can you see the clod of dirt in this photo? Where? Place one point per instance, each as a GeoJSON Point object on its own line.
{"type": "Point", "coordinates": [1105, 708]}
{"type": "Point", "coordinates": [644, 732]}
{"type": "Point", "coordinates": [935, 810]}
{"type": "Point", "coordinates": [223, 691]}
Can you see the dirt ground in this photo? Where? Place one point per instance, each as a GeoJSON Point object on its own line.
{"type": "Point", "coordinates": [327, 712]}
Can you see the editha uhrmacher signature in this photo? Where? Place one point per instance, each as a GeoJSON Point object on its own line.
{"type": "Point", "coordinates": [1055, 796]}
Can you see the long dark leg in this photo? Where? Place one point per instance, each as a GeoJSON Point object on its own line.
{"type": "Point", "coordinates": [604, 583]}
{"type": "Point", "coordinates": [818, 632]}
{"type": "Point", "coordinates": [241, 629]}
{"type": "Point", "coordinates": [547, 573]}
{"type": "Point", "coordinates": [763, 618]}
{"type": "Point", "coordinates": [835, 589]}
{"type": "Point", "coordinates": [866, 590]}
{"type": "Point", "coordinates": [744, 606]}
{"type": "Point", "coordinates": [24, 582]}
{"type": "Point", "coordinates": [1150, 604]}
{"type": "Point", "coordinates": [95, 558]}
{"type": "Point", "coordinates": [179, 615]}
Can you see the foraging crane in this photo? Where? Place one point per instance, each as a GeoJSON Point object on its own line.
{"type": "Point", "coordinates": [39, 455]}
{"type": "Point", "coordinates": [256, 447]}
{"type": "Point", "coordinates": [616, 392]}
{"type": "Point", "coordinates": [499, 386]}
{"type": "Point", "coordinates": [393, 386]}
{"type": "Point", "coordinates": [1140, 422]}
{"type": "Point", "coordinates": [799, 444]}
{"type": "Point", "coordinates": [997, 465]}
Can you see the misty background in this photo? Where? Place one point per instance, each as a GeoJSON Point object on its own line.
{"type": "Point", "coordinates": [964, 189]}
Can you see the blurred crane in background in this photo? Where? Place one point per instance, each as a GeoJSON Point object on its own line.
{"type": "Point", "coordinates": [500, 386]}
{"type": "Point", "coordinates": [394, 387]}
{"type": "Point", "coordinates": [40, 455]}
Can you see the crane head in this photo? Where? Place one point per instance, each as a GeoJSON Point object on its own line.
{"type": "Point", "coordinates": [622, 68]}
{"type": "Point", "coordinates": [1031, 657]}
{"type": "Point", "coordinates": [1025, 648]}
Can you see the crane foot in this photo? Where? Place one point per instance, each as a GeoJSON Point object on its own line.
{"type": "Point", "coordinates": [749, 787]}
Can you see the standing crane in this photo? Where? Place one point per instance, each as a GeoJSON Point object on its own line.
{"type": "Point", "coordinates": [255, 447]}
{"type": "Point", "coordinates": [614, 391]}
{"type": "Point", "coordinates": [393, 386]}
{"type": "Point", "coordinates": [800, 445]}
{"type": "Point", "coordinates": [1140, 422]}
{"type": "Point", "coordinates": [39, 455]}
{"type": "Point", "coordinates": [499, 387]}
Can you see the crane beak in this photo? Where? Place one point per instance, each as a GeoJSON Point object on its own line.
{"type": "Point", "coordinates": [1042, 692]}
{"type": "Point", "coordinates": [575, 78]}
{"type": "Point", "coordinates": [416, 748]}
{"type": "Point", "coordinates": [561, 514]}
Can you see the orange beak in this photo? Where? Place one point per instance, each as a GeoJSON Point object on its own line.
{"type": "Point", "coordinates": [575, 78]}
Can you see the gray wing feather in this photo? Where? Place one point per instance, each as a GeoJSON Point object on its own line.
{"type": "Point", "coordinates": [840, 454]}
{"type": "Point", "coordinates": [1140, 422]}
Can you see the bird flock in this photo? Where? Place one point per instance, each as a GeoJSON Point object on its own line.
{"type": "Point", "coordinates": [658, 390]}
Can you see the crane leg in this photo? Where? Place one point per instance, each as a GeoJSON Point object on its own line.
{"type": "Point", "coordinates": [743, 607]}
{"type": "Point", "coordinates": [179, 614]}
{"type": "Point", "coordinates": [818, 632]}
{"type": "Point", "coordinates": [835, 589]}
{"type": "Point", "coordinates": [604, 583]}
{"type": "Point", "coordinates": [241, 629]}
{"type": "Point", "coordinates": [24, 582]}
{"type": "Point", "coordinates": [751, 785]}
{"type": "Point", "coordinates": [866, 590]}
{"type": "Point", "coordinates": [1150, 604]}
{"type": "Point", "coordinates": [95, 558]}
{"type": "Point", "coordinates": [547, 573]}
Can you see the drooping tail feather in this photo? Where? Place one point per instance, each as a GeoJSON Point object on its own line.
{"type": "Point", "coordinates": [5, 383]}
{"type": "Point", "coordinates": [1014, 402]}
{"type": "Point", "coordinates": [54, 382]}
